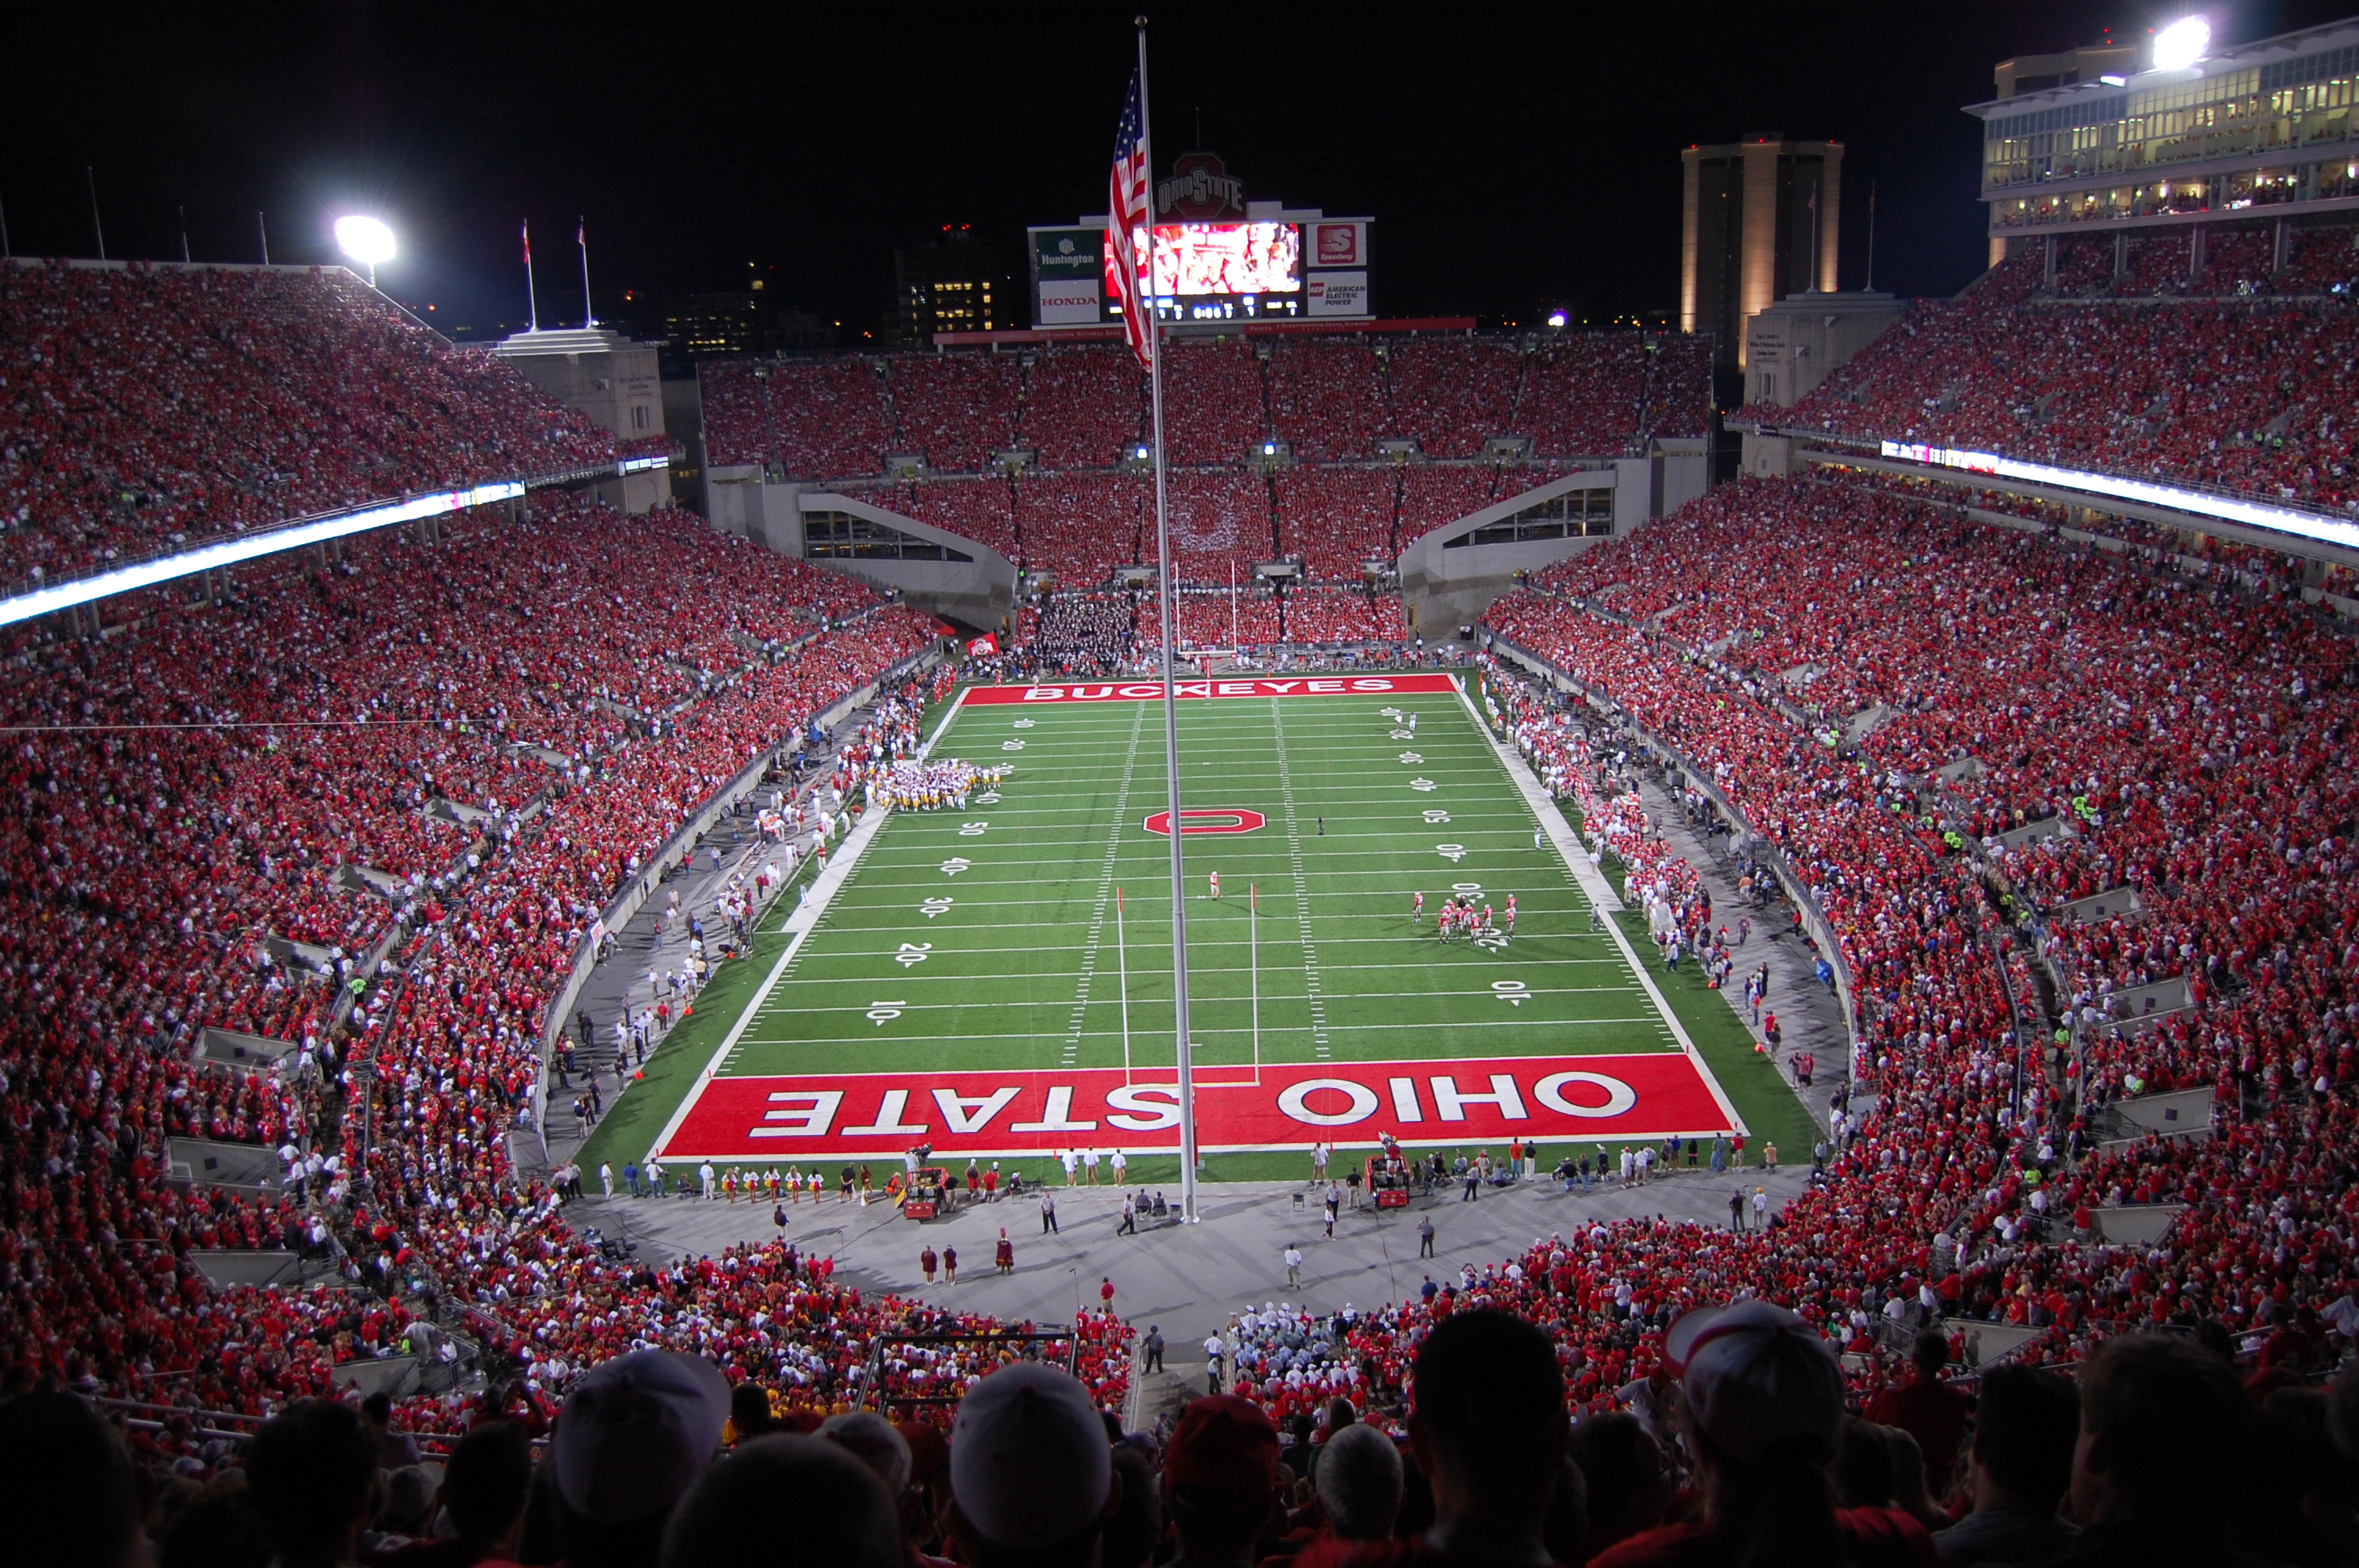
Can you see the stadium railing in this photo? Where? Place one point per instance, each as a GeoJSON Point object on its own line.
{"type": "Point", "coordinates": [674, 849]}
{"type": "Point", "coordinates": [1815, 923]}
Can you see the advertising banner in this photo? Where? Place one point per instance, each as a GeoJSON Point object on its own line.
{"type": "Point", "coordinates": [985, 1114]}
{"type": "Point", "coordinates": [1332, 244]}
{"type": "Point", "coordinates": [1339, 293]}
{"type": "Point", "coordinates": [1068, 277]}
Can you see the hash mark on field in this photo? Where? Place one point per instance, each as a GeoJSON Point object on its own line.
{"type": "Point", "coordinates": [1105, 888]}
{"type": "Point", "coordinates": [1301, 891]}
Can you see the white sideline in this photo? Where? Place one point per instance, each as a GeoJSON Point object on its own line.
{"type": "Point", "coordinates": [801, 921]}
{"type": "Point", "coordinates": [1578, 859]}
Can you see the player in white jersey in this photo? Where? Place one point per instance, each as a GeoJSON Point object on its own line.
{"type": "Point", "coordinates": [1216, 887]}
{"type": "Point", "coordinates": [1416, 909]}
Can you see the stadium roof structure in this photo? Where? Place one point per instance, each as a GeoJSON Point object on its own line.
{"type": "Point", "coordinates": [2255, 130]}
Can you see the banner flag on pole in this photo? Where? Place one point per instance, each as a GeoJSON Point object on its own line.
{"type": "Point", "coordinates": [1126, 223]}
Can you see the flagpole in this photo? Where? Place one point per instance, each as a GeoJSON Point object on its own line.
{"type": "Point", "coordinates": [581, 238]}
{"type": "Point", "coordinates": [1171, 691]}
{"type": "Point", "coordinates": [1253, 965]}
{"type": "Point", "coordinates": [531, 299]}
{"type": "Point", "coordinates": [1122, 956]}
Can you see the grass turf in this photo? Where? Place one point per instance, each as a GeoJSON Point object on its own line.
{"type": "Point", "coordinates": [1022, 962]}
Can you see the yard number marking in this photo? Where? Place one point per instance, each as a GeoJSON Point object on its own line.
{"type": "Point", "coordinates": [972, 829]}
{"type": "Point", "coordinates": [938, 905]}
{"type": "Point", "coordinates": [880, 1012]}
{"type": "Point", "coordinates": [1514, 994]}
{"type": "Point", "coordinates": [1453, 852]}
{"type": "Point", "coordinates": [956, 864]}
{"type": "Point", "coordinates": [912, 953]}
{"type": "Point", "coordinates": [1437, 818]}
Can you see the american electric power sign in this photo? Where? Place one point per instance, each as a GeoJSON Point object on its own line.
{"type": "Point", "coordinates": [989, 1113]}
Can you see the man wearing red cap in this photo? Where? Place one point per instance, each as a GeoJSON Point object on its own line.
{"type": "Point", "coordinates": [1220, 1481]}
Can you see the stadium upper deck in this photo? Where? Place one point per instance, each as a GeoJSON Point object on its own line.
{"type": "Point", "coordinates": [149, 409]}
{"type": "Point", "coordinates": [2216, 363]}
{"type": "Point", "coordinates": [1329, 399]}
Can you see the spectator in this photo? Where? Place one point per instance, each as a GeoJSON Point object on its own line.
{"type": "Point", "coordinates": [67, 1487]}
{"type": "Point", "coordinates": [484, 1487]}
{"type": "Point", "coordinates": [1764, 1403]}
{"type": "Point", "coordinates": [1359, 1483]}
{"type": "Point", "coordinates": [1136, 1528]}
{"type": "Point", "coordinates": [1030, 1472]}
{"type": "Point", "coordinates": [313, 1473]}
{"type": "Point", "coordinates": [1489, 1434]}
{"type": "Point", "coordinates": [786, 1501]}
{"type": "Point", "coordinates": [1628, 1480]}
{"type": "Point", "coordinates": [1927, 1408]}
{"type": "Point", "coordinates": [2159, 1462]}
{"type": "Point", "coordinates": [635, 1435]}
{"type": "Point", "coordinates": [2027, 1421]}
{"type": "Point", "coordinates": [1220, 1479]}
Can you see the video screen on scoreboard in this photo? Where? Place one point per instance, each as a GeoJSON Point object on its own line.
{"type": "Point", "coordinates": [1192, 260]}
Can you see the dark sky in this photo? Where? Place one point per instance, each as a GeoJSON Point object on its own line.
{"type": "Point", "coordinates": [1511, 157]}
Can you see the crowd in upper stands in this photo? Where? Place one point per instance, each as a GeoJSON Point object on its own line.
{"type": "Point", "coordinates": [145, 408]}
{"type": "Point", "coordinates": [2188, 741]}
{"type": "Point", "coordinates": [1316, 411]}
{"type": "Point", "coordinates": [2218, 383]}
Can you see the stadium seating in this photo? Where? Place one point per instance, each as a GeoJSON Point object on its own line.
{"type": "Point", "coordinates": [1080, 526]}
{"type": "Point", "coordinates": [1327, 399]}
{"type": "Point", "coordinates": [1450, 394]}
{"type": "Point", "coordinates": [1084, 405]}
{"type": "Point", "coordinates": [1335, 518]}
{"type": "Point", "coordinates": [2108, 385]}
{"type": "Point", "coordinates": [957, 408]}
{"type": "Point", "coordinates": [1955, 629]}
{"type": "Point", "coordinates": [145, 408]}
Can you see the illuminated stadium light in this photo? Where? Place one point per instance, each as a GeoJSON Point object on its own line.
{"type": "Point", "coordinates": [367, 241]}
{"type": "Point", "coordinates": [1556, 317]}
{"type": "Point", "coordinates": [248, 547]}
{"type": "Point", "coordinates": [2204, 504]}
{"type": "Point", "coordinates": [2181, 44]}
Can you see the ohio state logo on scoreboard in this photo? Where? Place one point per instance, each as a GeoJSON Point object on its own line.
{"type": "Point", "coordinates": [1201, 186]}
{"type": "Point", "coordinates": [1194, 820]}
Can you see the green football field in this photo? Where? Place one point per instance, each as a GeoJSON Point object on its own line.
{"type": "Point", "coordinates": [1032, 931]}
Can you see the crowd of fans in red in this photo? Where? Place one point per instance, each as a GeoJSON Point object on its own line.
{"type": "Point", "coordinates": [2248, 389]}
{"type": "Point", "coordinates": [146, 407]}
{"type": "Point", "coordinates": [562, 688]}
{"type": "Point", "coordinates": [2189, 738]}
{"type": "Point", "coordinates": [1329, 399]}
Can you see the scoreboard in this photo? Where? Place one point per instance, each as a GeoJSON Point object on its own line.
{"type": "Point", "coordinates": [1285, 269]}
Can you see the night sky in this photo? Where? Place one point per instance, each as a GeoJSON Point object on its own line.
{"type": "Point", "coordinates": [1512, 158]}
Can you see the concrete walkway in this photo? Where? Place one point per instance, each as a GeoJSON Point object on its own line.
{"type": "Point", "coordinates": [1187, 1279]}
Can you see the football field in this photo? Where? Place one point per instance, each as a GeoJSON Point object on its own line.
{"type": "Point", "coordinates": [997, 981]}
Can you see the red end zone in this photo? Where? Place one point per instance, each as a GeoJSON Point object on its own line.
{"type": "Point", "coordinates": [1144, 690]}
{"type": "Point", "coordinates": [995, 1114]}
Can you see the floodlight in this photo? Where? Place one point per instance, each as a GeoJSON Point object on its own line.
{"type": "Point", "coordinates": [1556, 319]}
{"type": "Point", "coordinates": [2181, 44]}
{"type": "Point", "coordinates": [367, 241]}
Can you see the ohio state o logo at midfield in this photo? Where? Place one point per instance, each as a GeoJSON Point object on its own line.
{"type": "Point", "coordinates": [1221, 819]}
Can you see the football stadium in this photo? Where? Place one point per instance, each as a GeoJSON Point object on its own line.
{"type": "Point", "coordinates": [1506, 929]}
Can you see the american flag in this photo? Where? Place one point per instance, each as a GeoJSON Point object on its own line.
{"type": "Point", "coordinates": [1127, 196]}
{"type": "Point", "coordinates": [528, 242]}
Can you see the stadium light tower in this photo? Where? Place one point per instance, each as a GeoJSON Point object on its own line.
{"type": "Point", "coordinates": [367, 241]}
{"type": "Point", "coordinates": [2181, 44]}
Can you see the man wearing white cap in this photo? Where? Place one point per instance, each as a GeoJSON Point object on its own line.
{"type": "Point", "coordinates": [1030, 1471]}
{"type": "Point", "coordinates": [634, 1436]}
{"type": "Point", "coordinates": [1765, 1398]}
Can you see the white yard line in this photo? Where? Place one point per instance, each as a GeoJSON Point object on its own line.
{"type": "Point", "coordinates": [800, 921]}
{"type": "Point", "coordinates": [1578, 859]}
{"type": "Point", "coordinates": [1105, 891]}
{"type": "Point", "coordinates": [1301, 889]}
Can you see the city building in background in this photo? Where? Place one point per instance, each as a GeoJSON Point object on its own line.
{"type": "Point", "coordinates": [2257, 130]}
{"type": "Point", "coordinates": [948, 284]}
{"type": "Point", "coordinates": [1759, 221]}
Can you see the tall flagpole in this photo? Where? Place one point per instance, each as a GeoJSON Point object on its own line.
{"type": "Point", "coordinates": [531, 298]}
{"type": "Point", "coordinates": [581, 238]}
{"type": "Point", "coordinates": [1170, 688]}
